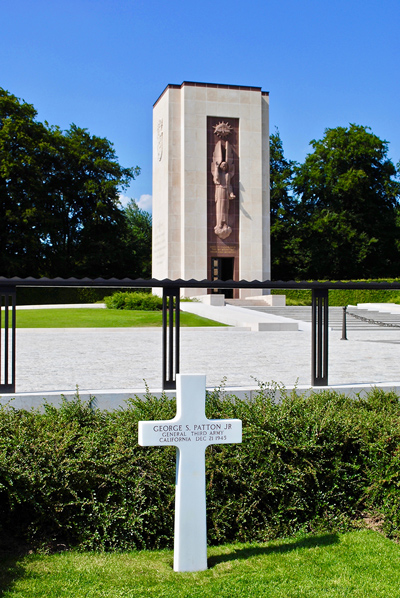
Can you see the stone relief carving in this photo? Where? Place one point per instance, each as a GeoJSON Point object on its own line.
{"type": "Point", "coordinates": [160, 139]}
{"type": "Point", "coordinates": [222, 169]}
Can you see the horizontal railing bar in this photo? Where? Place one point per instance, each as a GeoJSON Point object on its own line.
{"type": "Point", "coordinates": [203, 284]}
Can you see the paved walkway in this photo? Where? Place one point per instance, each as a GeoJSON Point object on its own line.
{"type": "Point", "coordinates": [50, 359]}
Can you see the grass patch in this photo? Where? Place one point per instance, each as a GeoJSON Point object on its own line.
{"type": "Point", "coordinates": [100, 318]}
{"type": "Point", "coordinates": [360, 564]}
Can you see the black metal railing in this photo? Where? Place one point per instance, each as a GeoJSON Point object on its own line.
{"type": "Point", "coordinates": [7, 338]}
{"type": "Point", "coordinates": [171, 323]}
{"type": "Point", "coordinates": [319, 342]}
{"type": "Point", "coordinates": [171, 337]}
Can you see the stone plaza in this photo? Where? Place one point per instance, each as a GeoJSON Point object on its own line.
{"type": "Point", "coordinates": [116, 363]}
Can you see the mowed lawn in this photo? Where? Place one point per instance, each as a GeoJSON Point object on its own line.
{"type": "Point", "coordinates": [100, 318]}
{"type": "Point", "coordinates": [359, 564]}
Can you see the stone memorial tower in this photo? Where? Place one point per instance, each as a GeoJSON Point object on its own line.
{"type": "Point", "coordinates": [211, 184]}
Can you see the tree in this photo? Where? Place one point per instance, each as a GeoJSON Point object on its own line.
{"type": "Point", "coordinates": [139, 223]}
{"type": "Point", "coordinates": [282, 209]}
{"type": "Point", "coordinates": [86, 229]}
{"type": "Point", "coordinates": [59, 194]}
{"type": "Point", "coordinates": [347, 206]}
{"type": "Point", "coordinates": [22, 142]}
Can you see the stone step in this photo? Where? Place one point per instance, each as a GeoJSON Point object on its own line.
{"type": "Point", "coordinates": [246, 302]}
{"type": "Point", "coordinates": [233, 315]}
{"type": "Point", "coordinates": [303, 313]}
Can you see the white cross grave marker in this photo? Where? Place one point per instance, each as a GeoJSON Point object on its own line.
{"type": "Point", "coordinates": [191, 432]}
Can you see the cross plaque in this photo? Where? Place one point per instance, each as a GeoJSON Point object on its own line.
{"type": "Point", "coordinates": [191, 432]}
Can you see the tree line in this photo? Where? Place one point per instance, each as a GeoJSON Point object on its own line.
{"type": "Point", "coordinates": [336, 216]}
{"type": "Point", "coordinates": [59, 202]}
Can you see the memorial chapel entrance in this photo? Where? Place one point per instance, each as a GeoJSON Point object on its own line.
{"type": "Point", "coordinates": [222, 268]}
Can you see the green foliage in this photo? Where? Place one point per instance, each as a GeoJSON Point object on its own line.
{"type": "Point", "coordinates": [282, 206]}
{"type": "Point", "coordinates": [303, 464]}
{"type": "Point", "coordinates": [139, 237]}
{"type": "Point", "coordinates": [75, 474]}
{"type": "Point", "coordinates": [344, 297]}
{"type": "Point", "coordinates": [128, 300]}
{"type": "Point", "coordinates": [338, 212]}
{"type": "Point", "coordinates": [60, 295]}
{"type": "Point", "coordinates": [341, 297]}
{"type": "Point", "coordinates": [348, 199]}
{"type": "Point", "coordinates": [59, 200]}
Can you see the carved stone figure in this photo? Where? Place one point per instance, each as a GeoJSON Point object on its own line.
{"type": "Point", "coordinates": [222, 169]}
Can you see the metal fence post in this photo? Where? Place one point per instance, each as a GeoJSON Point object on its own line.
{"type": "Point", "coordinates": [319, 337]}
{"type": "Point", "coordinates": [344, 325]}
{"type": "Point", "coordinates": [170, 342]}
{"type": "Point", "coordinates": [7, 352]}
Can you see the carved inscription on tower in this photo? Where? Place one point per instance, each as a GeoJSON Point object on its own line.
{"type": "Point", "coordinates": [160, 138]}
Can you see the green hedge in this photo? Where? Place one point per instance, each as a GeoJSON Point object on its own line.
{"type": "Point", "coordinates": [139, 301]}
{"type": "Point", "coordinates": [57, 295]}
{"type": "Point", "coordinates": [341, 297]}
{"type": "Point", "coordinates": [76, 475]}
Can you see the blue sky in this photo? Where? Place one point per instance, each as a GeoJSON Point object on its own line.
{"type": "Point", "coordinates": [101, 64]}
